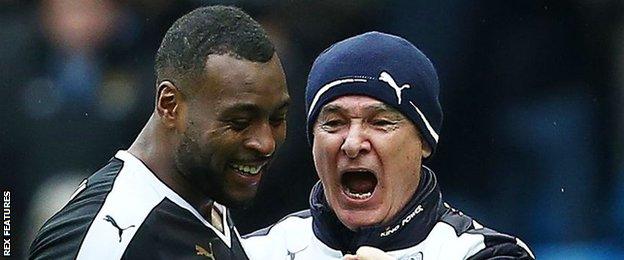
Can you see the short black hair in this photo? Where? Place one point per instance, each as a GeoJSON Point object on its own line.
{"type": "Point", "coordinates": [209, 30]}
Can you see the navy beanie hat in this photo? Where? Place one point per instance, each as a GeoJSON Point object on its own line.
{"type": "Point", "coordinates": [382, 66]}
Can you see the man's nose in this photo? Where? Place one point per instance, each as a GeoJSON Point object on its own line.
{"type": "Point", "coordinates": [356, 142]}
{"type": "Point", "coordinates": [262, 140]}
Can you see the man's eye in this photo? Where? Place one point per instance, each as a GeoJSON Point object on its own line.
{"type": "Point", "coordinates": [275, 122]}
{"type": "Point", "coordinates": [239, 124]}
{"type": "Point", "coordinates": [383, 122]}
{"type": "Point", "coordinates": [332, 125]}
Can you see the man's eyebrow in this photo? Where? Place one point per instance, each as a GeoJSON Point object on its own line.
{"type": "Point", "coordinates": [331, 108]}
{"type": "Point", "coordinates": [243, 107]}
{"type": "Point", "coordinates": [382, 107]}
{"type": "Point", "coordinates": [252, 107]}
{"type": "Point", "coordinates": [372, 109]}
{"type": "Point", "coordinates": [386, 110]}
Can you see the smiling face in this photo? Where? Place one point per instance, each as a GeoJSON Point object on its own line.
{"type": "Point", "coordinates": [232, 124]}
{"type": "Point", "coordinates": [368, 157]}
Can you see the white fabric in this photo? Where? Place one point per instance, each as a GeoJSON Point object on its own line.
{"type": "Point", "coordinates": [135, 193]}
{"type": "Point", "coordinates": [294, 235]}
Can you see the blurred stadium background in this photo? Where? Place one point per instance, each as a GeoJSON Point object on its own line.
{"type": "Point", "coordinates": [532, 141]}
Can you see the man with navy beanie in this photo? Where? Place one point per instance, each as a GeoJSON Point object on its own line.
{"type": "Point", "coordinates": [373, 116]}
{"type": "Point", "coordinates": [385, 67]}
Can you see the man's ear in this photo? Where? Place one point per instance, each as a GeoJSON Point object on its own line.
{"type": "Point", "coordinates": [426, 150]}
{"type": "Point", "coordinates": [169, 103]}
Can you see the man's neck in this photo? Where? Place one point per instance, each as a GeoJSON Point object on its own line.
{"type": "Point", "coordinates": [154, 148]}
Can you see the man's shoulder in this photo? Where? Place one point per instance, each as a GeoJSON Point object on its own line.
{"type": "Point", "coordinates": [172, 232]}
{"type": "Point", "coordinates": [65, 230]}
{"type": "Point", "coordinates": [297, 221]}
{"type": "Point", "coordinates": [460, 233]}
{"type": "Point", "coordinates": [288, 236]}
{"type": "Point", "coordinates": [111, 203]}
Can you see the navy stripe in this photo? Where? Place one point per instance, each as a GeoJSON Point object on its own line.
{"type": "Point", "coordinates": [460, 222]}
{"type": "Point", "coordinates": [172, 232]}
{"type": "Point", "coordinates": [492, 237]}
{"type": "Point", "coordinates": [498, 246]}
{"type": "Point", "coordinates": [63, 234]}
{"type": "Point", "coordinates": [502, 251]}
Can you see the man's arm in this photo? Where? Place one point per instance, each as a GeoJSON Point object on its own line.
{"type": "Point", "coordinates": [288, 237]}
{"type": "Point", "coordinates": [500, 246]}
{"type": "Point", "coordinates": [505, 250]}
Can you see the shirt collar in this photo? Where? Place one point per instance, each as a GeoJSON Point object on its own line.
{"type": "Point", "coordinates": [409, 227]}
{"type": "Point", "coordinates": [145, 176]}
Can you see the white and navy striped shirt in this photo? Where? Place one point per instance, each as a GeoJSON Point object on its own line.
{"type": "Point", "coordinates": [123, 211]}
{"type": "Point", "coordinates": [427, 228]}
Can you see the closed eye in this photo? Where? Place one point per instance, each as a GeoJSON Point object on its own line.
{"type": "Point", "coordinates": [239, 124]}
{"type": "Point", "coordinates": [382, 122]}
{"type": "Point", "coordinates": [332, 125]}
{"type": "Point", "coordinates": [275, 122]}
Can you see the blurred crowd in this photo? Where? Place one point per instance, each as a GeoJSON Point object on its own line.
{"type": "Point", "coordinates": [531, 143]}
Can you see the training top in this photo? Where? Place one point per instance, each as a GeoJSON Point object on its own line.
{"type": "Point", "coordinates": [427, 228]}
{"type": "Point", "coordinates": [123, 211]}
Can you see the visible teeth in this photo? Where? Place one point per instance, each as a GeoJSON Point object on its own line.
{"type": "Point", "coordinates": [253, 170]}
{"type": "Point", "coordinates": [360, 195]}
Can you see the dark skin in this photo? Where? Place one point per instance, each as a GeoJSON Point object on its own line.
{"type": "Point", "coordinates": [213, 140]}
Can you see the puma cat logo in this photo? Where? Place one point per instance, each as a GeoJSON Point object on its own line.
{"type": "Point", "coordinates": [112, 221]}
{"type": "Point", "coordinates": [385, 76]}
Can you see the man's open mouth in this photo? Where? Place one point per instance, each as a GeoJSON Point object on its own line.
{"type": "Point", "coordinates": [358, 184]}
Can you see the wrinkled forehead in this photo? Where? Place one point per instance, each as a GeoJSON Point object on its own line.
{"type": "Point", "coordinates": [358, 104]}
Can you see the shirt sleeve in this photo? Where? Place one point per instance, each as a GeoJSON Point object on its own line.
{"type": "Point", "coordinates": [503, 247]}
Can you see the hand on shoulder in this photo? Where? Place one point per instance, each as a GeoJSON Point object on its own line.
{"type": "Point", "coordinates": [368, 253]}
